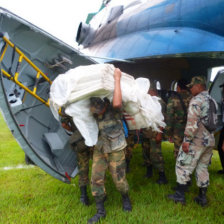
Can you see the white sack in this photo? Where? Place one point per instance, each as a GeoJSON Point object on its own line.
{"type": "Point", "coordinates": [74, 88]}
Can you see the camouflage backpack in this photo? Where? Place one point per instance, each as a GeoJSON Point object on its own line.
{"type": "Point", "coordinates": [210, 119]}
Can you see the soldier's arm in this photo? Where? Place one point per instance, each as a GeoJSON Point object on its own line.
{"type": "Point", "coordinates": [117, 97]}
{"type": "Point", "coordinates": [169, 118]}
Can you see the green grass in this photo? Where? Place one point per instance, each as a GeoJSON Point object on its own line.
{"type": "Point", "coordinates": [32, 196]}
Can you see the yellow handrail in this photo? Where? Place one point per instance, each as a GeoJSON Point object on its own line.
{"type": "Point", "coordinates": [16, 76]}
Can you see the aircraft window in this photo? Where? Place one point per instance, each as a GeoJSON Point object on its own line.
{"type": "Point", "coordinates": [214, 72]}
{"type": "Point", "coordinates": [173, 86]}
{"type": "Point", "coordinates": [158, 85]}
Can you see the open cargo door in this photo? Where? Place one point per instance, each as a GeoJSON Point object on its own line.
{"type": "Point", "coordinates": [30, 59]}
{"type": "Point", "coordinates": [216, 92]}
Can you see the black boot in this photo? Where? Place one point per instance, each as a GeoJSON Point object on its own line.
{"type": "Point", "coordinates": [84, 197]}
{"type": "Point", "coordinates": [127, 166]}
{"type": "Point", "coordinates": [149, 171]}
{"type": "Point", "coordinates": [187, 188]}
{"type": "Point", "coordinates": [201, 198]}
{"type": "Point", "coordinates": [126, 203]}
{"type": "Point", "coordinates": [101, 213]}
{"type": "Point", "coordinates": [162, 178]}
{"type": "Point", "coordinates": [179, 195]}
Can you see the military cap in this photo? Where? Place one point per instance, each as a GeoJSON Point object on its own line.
{"type": "Point", "coordinates": [197, 80]}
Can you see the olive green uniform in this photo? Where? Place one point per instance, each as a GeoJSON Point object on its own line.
{"type": "Point", "coordinates": [176, 118]}
{"type": "Point", "coordinates": [130, 144]}
{"type": "Point", "coordinates": [151, 150]}
{"type": "Point", "coordinates": [109, 153]}
{"type": "Point", "coordinates": [83, 153]}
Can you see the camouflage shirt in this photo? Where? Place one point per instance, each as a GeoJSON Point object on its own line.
{"type": "Point", "coordinates": [175, 114]}
{"type": "Point", "coordinates": [111, 134]}
{"type": "Point", "coordinates": [195, 132]}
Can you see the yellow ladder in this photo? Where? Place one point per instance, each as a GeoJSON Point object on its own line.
{"type": "Point", "coordinates": [14, 78]}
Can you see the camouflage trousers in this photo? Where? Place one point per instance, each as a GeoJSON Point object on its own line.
{"type": "Point", "coordinates": [115, 162]}
{"type": "Point", "coordinates": [130, 145]}
{"type": "Point", "coordinates": [152, 154]}
{"type": "Point", "coordinates": [198, 158]}
{"type": "Point", "coordinates": [84, 154]}
{"type": "Point", "coordinates": [177, 140]}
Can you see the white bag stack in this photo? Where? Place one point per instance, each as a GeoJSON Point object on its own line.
{"type": "Point", "coordinates": [74, 88]}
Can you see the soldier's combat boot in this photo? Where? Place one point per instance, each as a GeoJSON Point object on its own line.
{"type": "Point", "coordinates": [201, 198]}
{"type": "Point", "coordinates": [84, 197]}
{"type": "Point", "coordinates": [179, 195]}
{"type": "Point", "coordinates": [126, 203]}
{"type": "Point", "coordinates": [162, 178]}
{"type": "Point", "coordinates": [149, 171]}
{"type": "Point", "coordinates": [127, 166]}
{"type": "Point", "coordinates": [101, 213]}
{"type": "Point", "coordinates": [187, 188]}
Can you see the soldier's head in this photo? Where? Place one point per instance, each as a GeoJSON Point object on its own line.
{"type": "Point", "coordinates": [152, 89]}
{"type": "Point", "coordinates": [197, 85]}
{"type": "Point", "coordinates": [97, 105]}
{"type": "Point", "coordinates": [182, 85]}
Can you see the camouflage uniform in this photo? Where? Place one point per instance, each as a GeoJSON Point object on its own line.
{"type": "Point", "coordinates": [109, 153]}
{"type": "Point", "coordinates": [201, 144]}
{"type": "Point", "coordinates": [130, 144]}
{"type": "Point", "coordinates": [151, 150]}
{"type": "Point", "coordinates": [176, 118]}
{"type": "Point", "coordinates": [83, 153]}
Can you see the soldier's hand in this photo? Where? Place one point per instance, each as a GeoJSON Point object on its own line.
{"type": "Point", "coordinates": [117, 74]}
{"type": "Point", "coordinates": [185, 147]}
{"type": "Point", "coordinates": [158, 138]}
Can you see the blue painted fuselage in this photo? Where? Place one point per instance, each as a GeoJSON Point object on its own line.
{"type": "Point", "coordinates": [160, 28]}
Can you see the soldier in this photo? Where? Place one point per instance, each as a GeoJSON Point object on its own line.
{"type": "Point", "coordinates": [177, 111]}
{"type": "Point", "coordinates": [83, 153]}
{"type": "Point", "coordinates": [196, 150]}
{"type": "Point", "coordinates": [109, 150]}
{"type": "Point", "coordinates": [151, 146]}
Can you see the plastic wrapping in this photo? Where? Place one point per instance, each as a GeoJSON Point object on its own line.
{"type": "Point", "coordinates": [73, 89]}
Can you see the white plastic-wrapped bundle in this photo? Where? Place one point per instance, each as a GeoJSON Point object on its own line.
{"type": "Point", "coordinates": [74, 88]}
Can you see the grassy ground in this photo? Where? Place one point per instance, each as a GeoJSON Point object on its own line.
{"type": "Point", "coordinates": [32, 196]}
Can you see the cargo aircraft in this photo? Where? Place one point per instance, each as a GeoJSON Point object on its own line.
{"type": "Point", "coordinates": [162, 40]}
